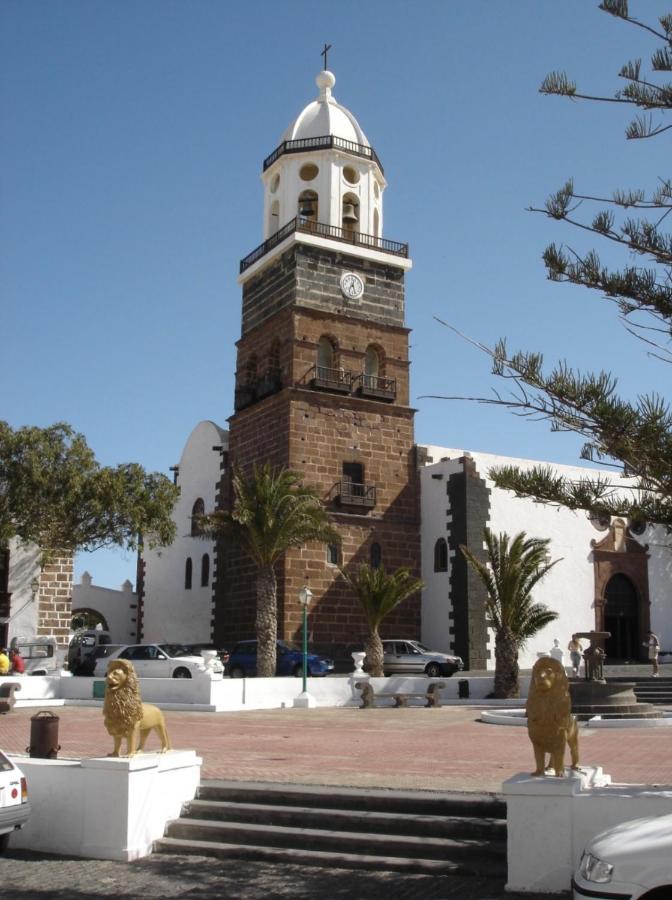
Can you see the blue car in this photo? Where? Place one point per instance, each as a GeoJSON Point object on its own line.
{"type": "Point", "coordinates": [243, 661]}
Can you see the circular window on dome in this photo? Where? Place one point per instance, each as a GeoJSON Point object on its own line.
{"type": "Point", "coordinates": [275, 183]}
{"type": "Point", "coordinates": [308, 172]}
{"type": "Point", "coordinates": [637, 526]}
{"type": "Point", "coordinates": [351, 175]}
{"type": "Point", "coordinates": [600, 521]}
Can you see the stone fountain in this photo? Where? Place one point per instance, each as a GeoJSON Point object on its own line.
{"type": "Point", "coordinates": [593, 696]}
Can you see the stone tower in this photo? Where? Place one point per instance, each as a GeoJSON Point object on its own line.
{"type": "Point", "coordinates": [322, 377]}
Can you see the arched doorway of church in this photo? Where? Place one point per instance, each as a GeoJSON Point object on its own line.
{"type": "Point", "coordinates": [621, 618]}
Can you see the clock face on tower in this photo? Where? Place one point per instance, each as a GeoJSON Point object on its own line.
{"type": "Point", "coordinates": [352, 286]}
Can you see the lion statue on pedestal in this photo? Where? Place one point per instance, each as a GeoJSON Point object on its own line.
{"type": "Point", "coordinates": [550, 723]}
{"type": "Point", "coordinates": [124, 713]}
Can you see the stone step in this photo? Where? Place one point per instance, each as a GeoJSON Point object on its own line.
{"type": "Point", "coordinates": [348, 820]}
{"type": "Point", "coordinates": [309, 857]}
{"type": "Point", "coordinates": [444, 803]}
{"type": "Point", "coordinates": [412, 831]}
{"type": "Point", "coordinates": [480, 852]}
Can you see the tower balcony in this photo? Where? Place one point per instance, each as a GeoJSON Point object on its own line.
{"type": "Point", "coordinates": [335, 381]}
{"type": "Point", "coordinates": [324, 142]}
{"type": "Point", "coordinates": [303, 225]}
{"type": "Point", "coordinates": [350, 494]}
{"type": "Point", "coordinates": [375, 387]}
{"type": "Point", "coordinates": [257, 389]}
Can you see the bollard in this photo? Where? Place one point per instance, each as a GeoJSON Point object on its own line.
{"type": "Point", "coordinates": [44, 735]}
{"type": "Point", "coordinates": [463, 689]}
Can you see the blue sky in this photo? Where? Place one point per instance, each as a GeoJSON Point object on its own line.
{"type": "Point", "coordinates": [133, 138]}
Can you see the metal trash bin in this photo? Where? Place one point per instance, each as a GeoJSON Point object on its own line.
{"type": "Point", "coordinates": [463, 689]}
{"type": "Point", "coordinates": [44, 735]}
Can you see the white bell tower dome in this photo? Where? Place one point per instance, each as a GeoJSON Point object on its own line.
{"type": "Point", "coordinates": [325, 175]}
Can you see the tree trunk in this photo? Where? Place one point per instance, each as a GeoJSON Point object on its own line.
{"type": "Point", "coordinates": [506, 665]}
{"type": "Point", "coordinates": [267, 621]}
{"type": "Point", "coordinates": [374, 654]}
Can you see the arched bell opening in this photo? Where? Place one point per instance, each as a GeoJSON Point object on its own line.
{"type": "Point", "coordinates": [308, 206]}
{"type": "Point", "coordinates": [326, 357]}
{"type": "Point", "coordinates": [274, 217]}
{"type": "Point", "coordinates": [350, 215]}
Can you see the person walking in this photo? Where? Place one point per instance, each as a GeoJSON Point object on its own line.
{"type": "Point", "coordinates": [654, 649]}
{"type": "Point", "coordinates": [575, 652]}
{"type": "Point", "coordinates": [17, 663]}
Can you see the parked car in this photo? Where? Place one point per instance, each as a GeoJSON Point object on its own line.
{"type": "Point", "coordinates": [102, 651]}
{"type": "Point", "coordinates": [243, 661]}
{"type": "Point", "coordinates": [630, 860]}
{"type": "Point", "coordinates": [14, 805]}
{"type": "Point", "coordinates": [197, 649]}
{"type": "Point", "coordinates": [403, 657]}
{"type": "Point", "coordinates": [82, 644]}
{"type": "Point", "coordinates": [158, 661]}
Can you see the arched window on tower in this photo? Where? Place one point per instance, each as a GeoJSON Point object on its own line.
{"type": "Point", "coordinates": [376, 555]}
{"type": "Point", "coordinates": [308, 207]}
{"type": "Point", "coordinates": [274, 218]}
{"type": "Point", "coordinates": [350, 215]}
{"type": "Point", "coordinates": [441, 555]}
{"type": "Point", "coordinates": [376, 223]}
{"type": "Point", "coordinates": [326, 357]}
{"type": "Point", "coordinates": [251, 370]}
{"type": "Point", "coordinates": [188, 569]}
{"type": "Point", "coordinates": [198, 509]}
{"type": "Point", "coordinates": [205, 570]}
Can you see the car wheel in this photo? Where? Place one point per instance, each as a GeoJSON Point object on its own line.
{"type": "Point", "coordinates": [432, 670]}
{"type": "Point", "coordinates": [181, 673]}
{"type": "Point", "coordinates": [237, 672]}
{"type": "Point", "coordinates": [298, 670]}
{"type": "Point", "coordinates": [4, 841]}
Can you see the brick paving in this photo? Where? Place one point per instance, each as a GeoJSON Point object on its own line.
{"type": "Point", "coordinates": [416, 748]}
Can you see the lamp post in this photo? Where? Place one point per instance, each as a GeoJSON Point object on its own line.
{"type": "Point", "coordinates": [305, 699]}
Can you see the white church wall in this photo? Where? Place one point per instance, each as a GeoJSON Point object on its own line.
{"type": "Point", "coordinates": [569, 587]}
{"type": "Point", "coordinates": [119, 608]}
{"type": "Point", "coordinates": [660, 584]}
{"type": "Point", "coordinates": [171, 612]}
{"type": "Point", "coordinates": [24, 568]}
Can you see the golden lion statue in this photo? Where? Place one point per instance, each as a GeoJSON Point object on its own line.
{"type": "Point", "coordinates": [125, 715]}
{"type": "Point", "coordinates": [550, 723]}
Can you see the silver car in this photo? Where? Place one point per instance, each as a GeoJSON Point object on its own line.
{"type": "Point", "coordinates": [159, 661]}
{"type": "Point", "coordinates": [404, 657]}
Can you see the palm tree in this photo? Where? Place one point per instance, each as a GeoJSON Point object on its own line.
{"type": "Point", "coordinates": [511, 572]}
{"type": "Point", "coordinates": [272, 512]}
{"type": "Point", "coordinates": [379, 592]}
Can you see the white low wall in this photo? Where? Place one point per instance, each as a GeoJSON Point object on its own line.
{"type": "Point", "coordinates": [105, 808]}
{"type": "Point", "coordinates": [204, 693]}
{"type": "Point", "coordinates": [550, 821]}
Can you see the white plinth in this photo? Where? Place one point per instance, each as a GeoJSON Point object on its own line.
{"type": "Point", "coordinates": [305, 701]}
{"type": "Point", "coordinates": [105, 808]}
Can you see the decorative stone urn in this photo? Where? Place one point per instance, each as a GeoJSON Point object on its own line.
{"type": "Point", "coordinates": [358, 657]}
{"type": "Point", "coordinates": [209, 657]}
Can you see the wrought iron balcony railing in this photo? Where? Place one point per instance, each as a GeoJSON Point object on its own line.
{"type": "Point", "coordinates": [348, 493]}
{"type": "Point", "coordinates": [324, 142]}
{"type": "Point", "coordinates": [376, 387]}
{"type": "Point", "coordinates": [333, 232]}
{"type": "Point", "coordinates": [321, 378]}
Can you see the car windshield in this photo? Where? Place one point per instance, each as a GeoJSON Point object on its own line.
{"type": "Point", "coordinates": [178, 650]}
{"type": "Point", "coordinates": [421, 647]}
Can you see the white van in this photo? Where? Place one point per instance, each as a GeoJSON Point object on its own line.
{"type": "Point", "coordinates": [42, 655]}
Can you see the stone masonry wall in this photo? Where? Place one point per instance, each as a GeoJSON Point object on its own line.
{"type": "Point", "coordinates": [55, 599]}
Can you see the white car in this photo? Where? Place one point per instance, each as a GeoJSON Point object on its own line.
{"type": "Point", "coordinates": [632, 861]}
{"type": "Point", "coordinates": [159, 661]}
{"type": "Point", "coordinates": [14, 805]}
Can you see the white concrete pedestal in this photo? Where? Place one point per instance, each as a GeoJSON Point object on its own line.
{"type": "Point", "coordinates": [305, 701]}
{"type": "Point", "coordinates": [105, 808]}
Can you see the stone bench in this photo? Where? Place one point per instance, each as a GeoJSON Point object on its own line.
{"type": "Point", "coordinates": [369, 697]}
{"type": "Point", "coordinates": [7, 699]}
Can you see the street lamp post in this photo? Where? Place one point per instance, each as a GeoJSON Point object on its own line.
{"type": "Point", "coordinates": [305, 699]}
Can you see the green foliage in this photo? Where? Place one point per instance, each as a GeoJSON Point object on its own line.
{"type": "Point", "coordinates": [379, 592]}
{"type": "Point", "coordinates": [55, 494]}
{"type": "Point", "coordinates": [511, 570]}
{"type": "Point", "coordinates": [272, 512]}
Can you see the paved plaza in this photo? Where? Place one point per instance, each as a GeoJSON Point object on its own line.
{"type": "Point", "coordinates": [416, 748]}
